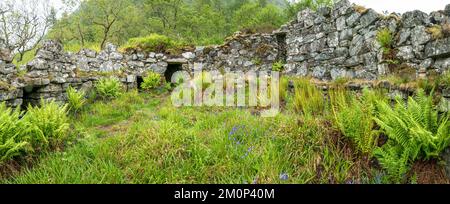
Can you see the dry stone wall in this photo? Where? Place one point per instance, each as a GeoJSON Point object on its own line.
{"type": "Point", "coordinates": [326, 44]}
{"type": "Point", "coordinates": [341, 42]}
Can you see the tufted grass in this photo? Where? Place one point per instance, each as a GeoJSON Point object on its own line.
{"type": "Point", "coordinates": [141, 138]}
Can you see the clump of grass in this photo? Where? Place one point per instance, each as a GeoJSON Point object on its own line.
{"type": "Point", "coordinates": [436, 32]}
{"type": "Point", "coordinates": [151, 81]}
{"type": "Point", "coordinates": [76, 99]}
{"type": "Point", "coordinates": [308, 99]}
{"type": "Point", "coordinates": [284, 86]}
{"type": "Point", "coordinates": [385, 39]}
{"type": "Point", "coordinates": [360, 9]}
{"type": "Point", "coordinates": [108, 88]}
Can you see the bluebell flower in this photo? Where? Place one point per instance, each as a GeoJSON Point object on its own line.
{"type": "Point", "coordinates": [255, 181]}
{"type": "Point", "coordinates": [284, 177]}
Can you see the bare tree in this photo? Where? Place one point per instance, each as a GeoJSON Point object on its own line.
{"type": "Point", "coordinates": [23, 24]}
{"type": "Point", "coordinates": [105, 13]}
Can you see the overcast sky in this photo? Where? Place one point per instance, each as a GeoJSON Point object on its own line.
{"type": "Point", "coordinates": [402, 6]}
{"type": "Point", "coordinates": [399, 6]}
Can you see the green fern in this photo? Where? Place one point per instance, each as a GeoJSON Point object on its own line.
{"type": "Point", "coordinates": [151, 81]}
{"type": "Point", "coordinates": [108, 88]}
{"type": "Point", "coordinates": [415, 128]}
{"type": "Point", "coordinates": [47, 124]}
{"type": "Point", "coordinates": [12, 142]}
{"type": "Point", "coordinates": [395, 160]}
{"type": "Point", "coordinates": [76, 99]}
{"type": "Point", "coordinates": [354, 118]}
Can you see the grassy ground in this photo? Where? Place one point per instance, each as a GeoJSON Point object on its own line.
{"type": "Point", "coordinates": [142, 138]}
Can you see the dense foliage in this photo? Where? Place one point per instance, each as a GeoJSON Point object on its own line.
{"type": "Point", "coordinates": [92, 23]}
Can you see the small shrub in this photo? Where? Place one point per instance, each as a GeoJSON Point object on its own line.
{"type": "Point", "coordinates": [436, 32]}
{"type": "Point", "coordinates": [385, 39]}
{"type": "Point", "coordinates": [151, 81]}
{"type": "Point", "coordinates": [414, 128]}
{"type": "Point", "coordinates": [308, 99]}
{"type": "Point", "coordinates": [48, 124]}
{"type": "Point", "coordinates": [76, 99]}
{"type": "Point", "coordinates": [12, 142]}
{"type": "Point", "coordinates": [278, 66]}
{"type": "Point", "coordinates": [108, 88]}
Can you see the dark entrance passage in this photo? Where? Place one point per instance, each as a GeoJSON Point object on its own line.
{"type": "Point", "coordinates": [282, 47]}
{"type": "Point", "coordinates": [139, 81]}
{"type": "Point", "coordinates": [171, 69]}
{"type": "Point", "coordinates": [30, 97]}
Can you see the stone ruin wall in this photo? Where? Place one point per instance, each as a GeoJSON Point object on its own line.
{"type": "Point", "coordinates": [341, 42]}
{"type": "Point", "coordinates": [328, 44]}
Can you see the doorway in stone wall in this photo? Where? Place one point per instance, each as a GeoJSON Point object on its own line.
{"type": "Point", "coordinates": [139, 81]}
{"type": "Point", "coordinates": [29, 97]}
{"type": "Point", "coordinates": [282, 47]}
{"type": "Point", "coordinates": [172, 69]}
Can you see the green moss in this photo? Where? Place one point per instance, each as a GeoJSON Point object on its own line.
{"type": "Point", "coordinates": [436, 32]}
{"type": "Point", "coordinates": [153, 43]}
{"type": "Point", "coordinates": [6, 86]}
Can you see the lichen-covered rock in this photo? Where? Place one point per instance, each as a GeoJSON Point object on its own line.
{"type": "Point", "coordinates": [438, 48]}
{"type": "Point", "coordinates": [419, 35]}
{"type": "Point", "coordinates": [369, 18]}
{"type": "Point", "coordinates": [357, 45]}
{"type": "Point", "coordinates": [415, 18]}
{"type": "Point", "coordinates": [405, 53]}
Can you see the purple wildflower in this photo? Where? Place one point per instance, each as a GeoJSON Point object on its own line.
{"type": "Point", "coordinates": [284, 176]}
